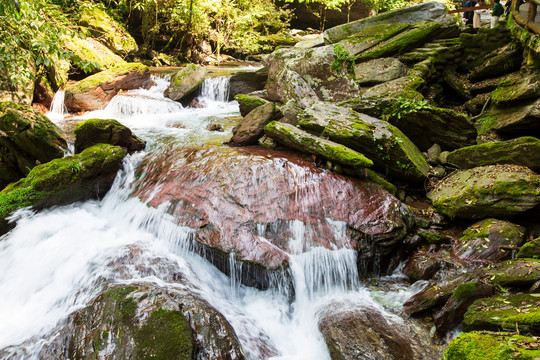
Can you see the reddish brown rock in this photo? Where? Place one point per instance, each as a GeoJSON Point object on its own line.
{"type": "Point", "coordinates": [423, 265]}
{"type": "Point", "coordinates": [251, 128]}
{"type": "Point", "coordinates": [253, 203]}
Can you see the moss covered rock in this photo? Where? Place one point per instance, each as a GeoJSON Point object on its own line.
{"type": "Point", "coordinates": [521, 86]}
{"type": "Point", "coordinates": [247, 103]}
{"type": "Point", "coordinates": [90, 50]}
{"type": "Point", "coordinates": [87, 175]}
{"type": "Point", "coordinates": [492, 346]}
{"type": "Point", "coordinates": [530, 250]}
{"type": "Point", "coordinates": [524, 151]}
{"type": "Point", "coordinates": [185, 82]}
{"type": "Point", "coordinates": [298, 139]}
{"type": "Point", "coordinates": [142, 321]}
{"type": "Point", "coordinates": [108, 31]}
{"type": "Point", "coordinates": [246, 82]}
{"type": "Point", "coordinates": [251, 128]}
{"type": "Point", "coordinates": [391, 151]}
{"type": "Point", "coordinates": [521, 274]}
{"type": "Point", "coordinates": [490, 240]}
{"type": "Point", "coordinates": [28, 138]}
{"type": "Point", "coordinates": [406, 87]}
{"type": "Point", "coordinates": [402, 42]}
{"type": "Point", "coordinates": [499, 62]}
{"type": "Point", "coordinates": [95, 91]}
{"type": "Point", "coordinates": [487, 191]}
{"type": "Point", "coordinates": [378, 71]}
{"type": "Point", "coordinates": [516, 119]}
{"type": "Point", "coordinates": [106, 131]}
{"type": "Point", "coordinates": [371, 36]}
{"type": "Point", "coordinates": [505, 313]}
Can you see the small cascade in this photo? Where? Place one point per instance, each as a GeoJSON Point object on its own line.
{"type": "Point", "coordinates": [216, 88]}
{"type": "Point", "coordinates": [58, 107]}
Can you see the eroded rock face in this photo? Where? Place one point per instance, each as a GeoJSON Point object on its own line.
{"type": "Point", "coordinates": [356, 332]}
{"type": "Point", "coordinates": [95, 91]}
{"type": "Point", "coordinates": [106, 131]}
{"type": "Point", "coordinates": [487, 191]}
{"type": "Point", "coordinates": [144, 321]}
{"type": "Point", "coordinates": [270, 196]}
{"type": "Point", "coordinates": [379, 70]}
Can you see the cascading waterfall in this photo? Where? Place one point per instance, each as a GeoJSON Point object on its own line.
{"type": "Point", "coordinates": [58, 107]}
{"type": "Point", "coordinates": [63, 256]}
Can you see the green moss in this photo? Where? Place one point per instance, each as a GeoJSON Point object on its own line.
{"type": "Point", "coordinates": [166, 336]}
{"type": "Point", "coordinates": [464, 291]}
{"type": "Point", "coordinates": [530, 250]}
{"type": "Point", "coordinates": [490, 346]}
{"type": "Point", "coordinates": [431, 237]}
{"type": "Point", "coordinates": [106, 76]}
{"type": "Point", "coordinates": [99, 124]}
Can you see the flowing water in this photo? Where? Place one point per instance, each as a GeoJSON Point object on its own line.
{"type": "Point", "coordinates": [55, 261]}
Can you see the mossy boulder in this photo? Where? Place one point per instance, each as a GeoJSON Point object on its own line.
{"type": "Point", "coordinates": [524, 151]}
{"type": "Point", "coordinates": [28, 138]}
{"type": "Point", "coordinates": [522, 86]}
{"type": "Point", "coordinates": [530, 250]}
{"type": "Point", "coordinates": [142, 321]}
{"type": "Point", "coordinates": [487, 191]}
{"type": "Point", "coordinates": [89, 174]}
{"type": "Point", "coordinates": [106, 131]}
{"type": "Point", "coordinates": [490, 240]}
{"type": "Point", "coordinates": [248, 102]}
{"type": "Point", "coordinates": [391, 151]}
{"type": "Point", "coordinates": [300, 140]}
{"type": "Point", "coordinates": [378, 71]}
{"type": "Point", "coordinates": [520, 119]}
{"type": "Point", "coordinates": [185, 82]}
{"type": "Point", "coordinates": [426, 125]}
{"type": "Point", "coordinates": [492, 346]}
{"type": "Point", "coordinates": [108, 31]}
{"type": "Point", "coordinates": [430, 11]}
{"type": "Point", "coordinates": [251, 128]}
{"type": "Point", "coordinates": [402, 42]}
{"type": "Point", "coordinates": [406, 87]}
{"type": "Point", "coordinates": [246, 82]}
{"type": "Point", "coordinates": [95, 91]}
{"type": "Point", "coordinates": [463, 296]}
{"type": "Point", "coordinates": [520, 274]}
{"type": "Point", "coordinates": [307, 75]}
{"type": "Point", "coordinates": [501, 61]}
{"type": "Point", "coordinates": [90, 50]}
{"type": "Point", "coordinates": [371, 36]}
{"type": "Point", "coordinates": [505, 313]}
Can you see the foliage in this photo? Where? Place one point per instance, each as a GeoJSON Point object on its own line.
{"type": "Point", "coordinates": [341, 56]}
{"type": "Point", "coordinates": [403, 106]}
{"type": "Point", "coordinates": [380, 6]}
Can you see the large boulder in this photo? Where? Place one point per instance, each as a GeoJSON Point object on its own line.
{"type": "Point", "coordinates": [95, 91]}
{"type": "Point", "coordinates": [522, 86]}
{"type": "Point", "coordinates": [505, 313]}
{"type": "Point", "coordinates": [517, 118]}
{"type": "Point", "coordinates": [431, 11]}
{"type": "Point", "coordinates": [245, 82]}
{"type": "Point", "coordinates": [530, 250]}
{"type": "Point", "coordinates": [106, 131]}
{"type": "Point", "coordinates": [524, 151]}
{"type": "Point", "coordinates": [490, 240]}
{"type": "Point", "coordinates": [108, 31]}
{"type": "Point", "coordinates": [248, 103]}
{"type": "Point", "coordinates": [365, 332]}
{"type": "Point", "coordinates": [185, 82]}
{"type": "Point", "coordinates": [482, 345]}
{"type": "Point", "coordinates": [256, 224]}
{"type": "Point", "coordinates": [370, 36]}
{"type": "Point", "coordinates": [142, 321]}
{"type": "Point", "coordinates": [251, 128]}
{"type": "Point", "coordinates": [89, 174]}
{"type": "Point", "coordinates": [28, 138]}
{"type": "Point", "coordinates": [89, 51]}
{"type": "Point", "coordinates": [487, 191]}
{"type": "Point", "coordinates": [378, 71]}
{"type": "Point", "coordinates": [295, 138]}
{"type": "Point", "coordinates": [307, 75]}
{"type": "Point", "coordinates": [391, 151]}
{"type": "Point", "coordinates": [424, 264]}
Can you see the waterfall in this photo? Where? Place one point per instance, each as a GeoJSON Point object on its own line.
{"type": "Point", "coordinates": [58, 107]}
{"type": "Point", "coordinates": [55, 261]}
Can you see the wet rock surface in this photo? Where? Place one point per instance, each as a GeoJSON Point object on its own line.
{"type": "Point", "coordinates": [106, 131]}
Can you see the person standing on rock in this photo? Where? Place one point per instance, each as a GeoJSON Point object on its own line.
{"type": "Point", "coordinates": [477, 18]}
{"type": "Point", "coordinates": [496, 13]}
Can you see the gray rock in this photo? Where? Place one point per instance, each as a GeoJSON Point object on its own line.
{"type": "Point", "coordinates": [310, 43]}
{"type": "Point", "coordinates": [185, 82]}
{"type": "Point", "coordinates": [520, 118]}
{"type": "Point", "coordinates": [378, 71]}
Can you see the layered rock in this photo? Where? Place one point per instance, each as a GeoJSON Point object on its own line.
{"type": "Point", "coordinates": [106, 131]}
{"type": "Point", "coordinates": [490, 240]}
{"type": "Point", "coordinates": [356, 332]}
{"type": "Point", "coordinates": [296, 194]}
{"type": "Point", "coordinates": [378, 71]}
{"type": "Point", "coordinates": [104, 28]}
{"type": "Point", "coordinates": [251, 128]}
{"type": "Point", "coordinates": [487, 191]}
{"type": "Point", "coordinates": [185, 82]}
{"type": "Point", "coordinates": [500, 62]}
{"type": "Point", "coordinates": [87, 175]}
{"type": "Point", "coordinates": [95, 91]}
{"type": "Point", "coordinates": [27, 139]}
{"type": "Point", "coordinates": [524, 151]}
{"type": "Point", "coordinates": [248, 103]}
{"type": "Point", "coordinates": [370, 36]}
{"type": "Point", "coordinates": [521, 118]}
{"type": "Point", "coordinates": [245, 82]}
{"type": "Point", "coordinates": [391, 151]}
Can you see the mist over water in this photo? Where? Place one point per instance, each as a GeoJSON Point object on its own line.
{"type": "Point", "coordinates": [56, 261]}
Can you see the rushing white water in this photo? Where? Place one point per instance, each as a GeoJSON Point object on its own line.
{"type": "Point", "coordinates": [58, 108]}
{"type": "Point", "coordinates": [55, 261]}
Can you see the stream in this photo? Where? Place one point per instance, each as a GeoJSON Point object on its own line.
{"type": "Point", "coordinates": [55, 261]}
